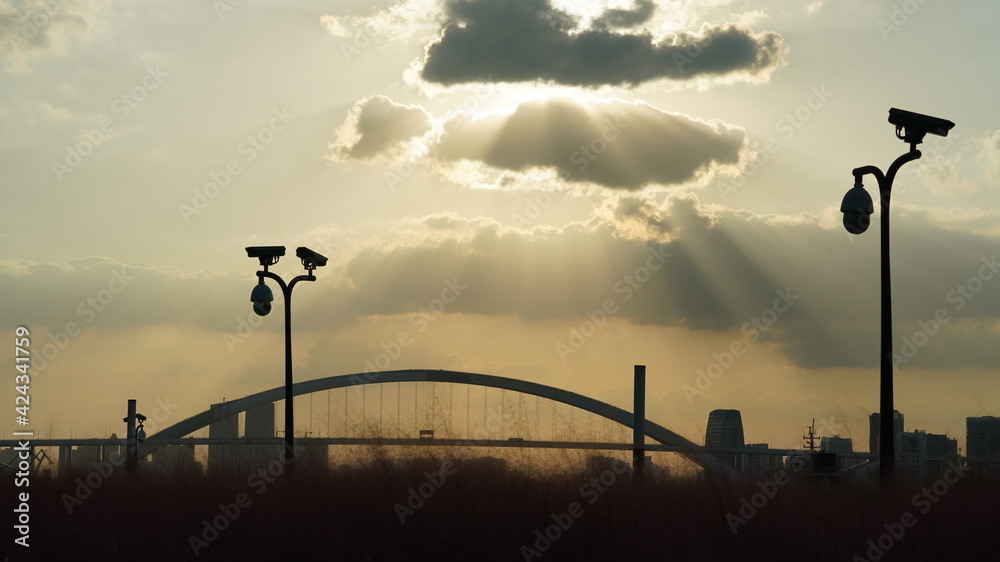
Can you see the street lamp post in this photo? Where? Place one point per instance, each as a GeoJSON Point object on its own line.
{"type": "Point", "coordinates": [262, 298]}
{"type": "Point", "coordinates": [857, 207]}
{"type": "Point", "coordinates": [134, 434]}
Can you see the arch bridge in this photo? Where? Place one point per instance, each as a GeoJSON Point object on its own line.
{"type": "Point", "coordinates": [685, 447]}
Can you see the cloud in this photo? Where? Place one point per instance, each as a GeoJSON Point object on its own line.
{"type": "Point", "coordinates": [529, 40]}
{"type": "Point", "coordinates": [991, 156]}
{"type": "Point", "coordinates": [614, 144]}
{"type": "Point", "coordinates": [724, 271]}
{"type": "Point", "coordinates": [35, 28]}
{"type": "Point", "coordinates": [676, 263]}
{"type": "Point", "coordinates": [621, 18]}
{"type": "Point", "coordinates": [348, 355]}
{"type": "Point", "coordinates": [959, 166]}
{"type": "Point", "coordinates": [401, 21]}
{"type": "Point", "coordinates": [99, 291]}
{"type": "Point", "coordinates": [546, 273]}
{"type": "Point", "coordinates": [376, 125]}
{"type": "Point", "coordinates": [637, 218]}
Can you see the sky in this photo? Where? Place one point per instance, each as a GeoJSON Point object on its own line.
{"type": "Point", "coordinates": [549, 190]}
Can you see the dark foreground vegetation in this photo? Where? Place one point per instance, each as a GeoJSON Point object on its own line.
{"type": "Point", "coordinates": [433, 509]}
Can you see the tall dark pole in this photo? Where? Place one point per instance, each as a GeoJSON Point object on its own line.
{"type": "Point", "coordinates": [286, 292]}
{"type": "Point", "coordinates": [289, 401]}
{"type": "Point", "coordinates": [887, 434]}
{"type": "Point", "coordinates": [887, 437]}
{"type": "Point", "coordinates": [261, 297]}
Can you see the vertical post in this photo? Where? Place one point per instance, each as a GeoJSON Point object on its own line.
{"type": "Point", "coordinates": [887, 438]}
{"type": "Point", "coordinates": [131, 448]}
{"type": "Point", "coordinates": [639, 423]}
{"type": "Point", "coordinates": [887, 434]}
{"type": "Point", "coordinates": [289, 406]}
{"type": "Point", "coordinates": [65, 458]}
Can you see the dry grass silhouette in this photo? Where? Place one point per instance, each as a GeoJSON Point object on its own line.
{"type": "Point", "coordinates": [489, 510]}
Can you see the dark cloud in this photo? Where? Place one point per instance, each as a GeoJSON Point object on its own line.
{"type": "Point", "coordinates": [342, 356]}
{"type": "Point", "coordinates": [101, 293]}
{"type": "Point", "coordinates": [562, 274]}
{"type": "Point", "coordinates": [643, 214]}
{"type": "Point", "coordinates": [614, 144]}
{"type": "Point", "coordinates": [725, 274]}
{"type": "Point", "coordinates": [618, 17]}
{"type": "Point", "coordinates": [671, 264]}
{"type": "Point", "coordinates": [528, 40]}
{"type": "Point", "coordinates": [379, 124]}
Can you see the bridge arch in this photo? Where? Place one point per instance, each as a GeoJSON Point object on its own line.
{"type": "Point", "coordinates": [692, 451]}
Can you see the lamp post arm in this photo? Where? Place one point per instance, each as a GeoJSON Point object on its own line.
{"type": "Point", "coordinates": [298, 278]}
{"type": "Point", "coordinates": [279, 280]}
{"type": "Point", "coordinates": [913, 154]}
{"type": "Point", "coordinates": [873, 170]}
{"type": "Point", "coordinates": [885, 180]}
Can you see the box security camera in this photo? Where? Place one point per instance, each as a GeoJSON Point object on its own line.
{"type": "Point", "coordinates": [911, 127]}
{"type": "Point", "coordinates": [310, 259]}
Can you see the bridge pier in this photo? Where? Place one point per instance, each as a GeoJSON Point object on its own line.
{"type": "Point", "coordinates": [639, 423]}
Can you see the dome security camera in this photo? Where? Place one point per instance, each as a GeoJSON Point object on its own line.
{"type": "Point", "coordinates": [261, 297]}
{"type": "Point", "coordinates": [262, 308]}
{"type": "Point", "coordinates": [858, 209]}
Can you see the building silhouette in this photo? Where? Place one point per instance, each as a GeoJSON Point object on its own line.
{"type": "Point", "coordinates": [840, 446]}
{"type": "Point", "coordinates": [761, 466]}
{"type": "Point", "coordinates": [725, 430]}
{"type": "Point", "coordinates": [925, 455]}
{"type": "Point", "coordinates": [259, 423]}
{"type": "Point", "coordinates": [174, 459]}
{"type": "Point", "coordinates": [223, 456]}
{"type": "Point", "coordinates": [874, 424]}
{"type": "Point", "coordinates": [982, 438]}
